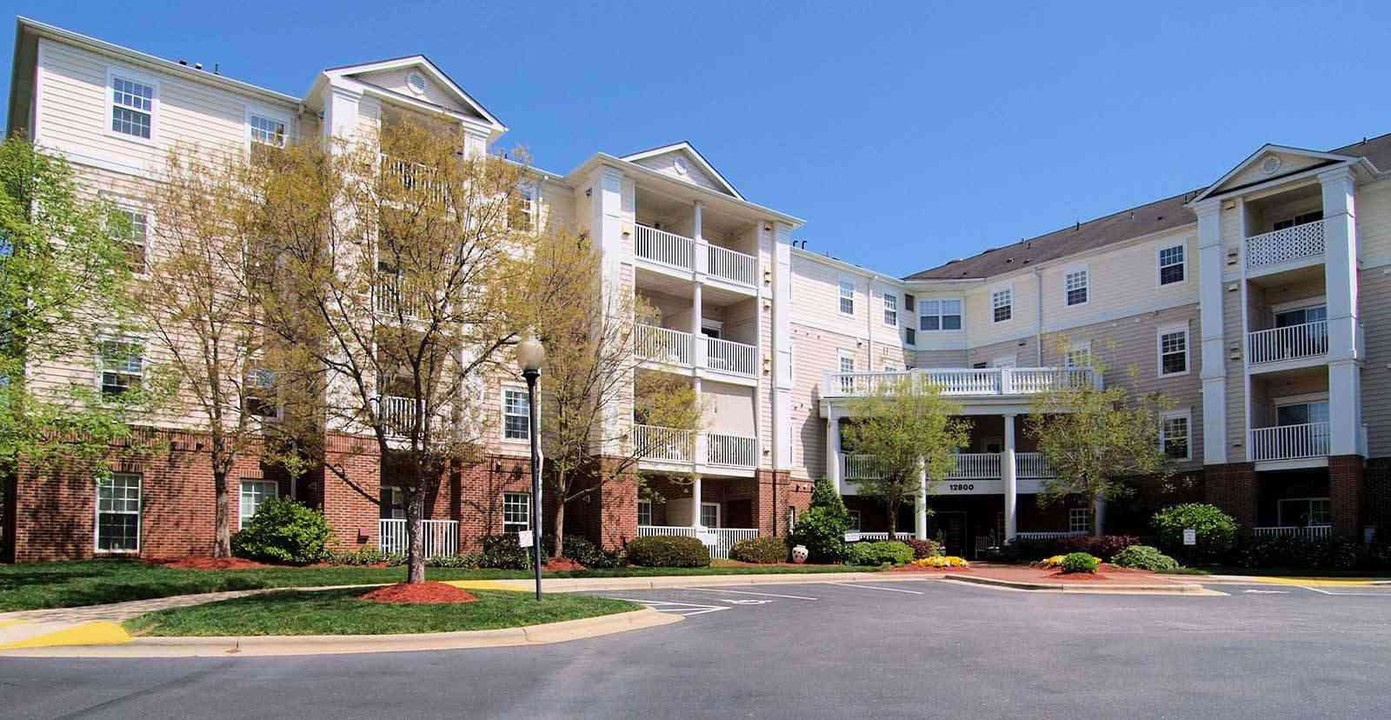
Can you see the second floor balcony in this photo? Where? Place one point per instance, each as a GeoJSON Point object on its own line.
{"type": "Point", "coordinates": [1285, 246]}
{"type": "Point", "coordinates": [961, 382]}
{"type": "Point", "coordinates": [683, 349]}
{"type": "Point", "coordinates": [1289, 442]}
{"type": "Point", "coordinates": [670, 446]}
{"type": "Point", "coordinates": [679, 252]}
{"type": "Point", "coordinates": [968, 466]}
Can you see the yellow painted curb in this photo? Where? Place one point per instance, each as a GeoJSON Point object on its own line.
{"type": "Point", "coordinates": [1330, 582]}
{"type": "Point", "coordinates": [92, 633]}
{"type": "Point", "coordinates": [484, 585]}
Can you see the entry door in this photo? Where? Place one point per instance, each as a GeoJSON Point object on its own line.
{"type": "Point", "coordinates": [952, 525]}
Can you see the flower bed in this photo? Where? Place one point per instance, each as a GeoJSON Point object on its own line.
{"type": "Point", "coordinates": [940, 561]}
{"type": "Point", "coordinates": [426, 593]}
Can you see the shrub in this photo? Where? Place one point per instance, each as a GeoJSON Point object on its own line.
{"type": "Point", "coordinates": [284, 531]}
{"type": "Point", "coordinates": [762, 550]}
{"type": "Point", "coordinates": [822, 527]}
{"type": "Point", "coordinates": [941, 561]}
{"type": "Point", "coordinates": [586, 553]}
{"type": "Point", "coordinates": [1144, 557]}
{"type": "Point", "coordinates": [1289, 551]}
{"type": "Point", "coordinates": [1080, 562]}
{"type": "Point", "coordinates": [502, 552]}
{"type": "Point", "coordinates": [365, 556]}
{"type": "Point", "coordinates": [467, 561]}
{"type": "Point", "coordinates": [1216, 530]}
{"type": "Point", "coordinates": [668, 551]}
{"type": "Point", "coordinates": [924, 548]}
{"type": "Point", "coordinates": [883, 552]}
{"type": "Point", "coordinates": [1105, 546]}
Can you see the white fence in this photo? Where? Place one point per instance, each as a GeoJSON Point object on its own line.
{"type": "Point", "coordinates": [397, 413]}
{"type": "Point", "coordinates": [663, 247]}
{"type": "Point", "coordinates": [975, 465]}
{"type": "Point", "coordinates": [857, 536]}
{"type": "Point", "coordinates": [961, 381]}
{"type": "Point", "coordinates": [438, 537]}
{"type": "Point", "coordinates": [1311, 532]}
{"type": "Point", "coordinates": [968, 466]}
{"type": "Point", "coordinates": [723, 538]}
{"type": "Point", "coordinates": [664, 345]}
{"type": "Point", "coordinates": [731, 357]}
{"type": "Point", "coordinates": [1288, 343]}
{"type": "Point", "coordinates": [1032, 465]}
{"type": "Point", "coordinates": [732, 265]}
{"type": "Point", "coordinates": [1289, 442]}
{"type": "Point", "coordinates": [731, 450]}
{"type": "Point", "coordinates": [663, 444]}
{"type": "Point", "coordinates": [1287, 245]}
{"type": "Point", "coordinates": [1049, 535]}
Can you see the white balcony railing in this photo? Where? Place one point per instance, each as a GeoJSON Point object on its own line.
{"type": "Point", "coordinates": [438, 537]}
{"type": "Point", "coordinates": [664, 345]}
{"type": "Point", "coordinates": [731, 357]}
{"type": "Point", "coordinates": [1287, 245]}
{"type": "Point", "coordinates": [390, 296]}
{"type": "Point", "coordinates": [1033, 465]}
{"type": "Point", "coordinates": [397, 413]}
{"type": "Point", "coordinates": [969, 466]}
{"type": "Point", "coordinates": [412, 176]}
{"type": "Point", "coordinates": [724, 538]}
{"type": "Point", "coordinates": [1289, 442]}
{"type": "Point", "coordinates": [731, 450]}
{"type": "Point", "coordinates": [1310, 532]}
{"type": "Point", "coordinates": [662, 247]}
{"type": "Point", "coordinates": [732, 266]}
{"type": "Point", "coordinates": [858, 467]}
{"type": "Point", "coordinates": [1051, 535]}
{"type": "Point", "coordinates": [962, 381]}
{"type": "Point", "coordinates": [975, 466]}
{"type": "Point", "coordinates": [1288, 343]}
{"type": "Point", "coordinates": [662, 444]}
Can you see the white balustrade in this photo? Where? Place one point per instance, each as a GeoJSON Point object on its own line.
{"type": "Point", "coordinates": [969, 466]}
{"type": "Point", "coordinates": [1032, 465]}
{"type": "Point", "coordinates": [859, 467]}
{"type": "Point", "coordinates": [1050, 535]}
{"type": "Point", "coordinates": [962, 381]}
{"type": "Point", "coordinates": [724, 537]}
{"type": "Point", "coordinates": [975, 466]}
{"type": "Point", "coordinates": [1288, 343]}
{"type": "Point", "coordinates": [390, 296]}
{"type": "Point", "coordinates": [1310, 532]}
{"type": "Point", "coordinates": [397, 413]}
{"type": "Point", "coordinates": [437, 537]}
{"type": "Point", "coordinates": [732, 266]}
{"type": "Point", "coordinates": [1287, 245]}
{"type": "Point", "coordinates": [412, 176]}
{"type": "Point", "coordinates": [731, 450]}
{"type": "Point", "coordinates": [857, 536]}
{"type": "Point", "coordinates": [1289, 442]}
{"type": "Point", "coordinates": [731, 357]}
{"type": "Point", "coordinates": [660, 246]}
{"type": "Point", "coordinates": [663, 444]}
{"type": "Point", "coordinates": [664, 345]}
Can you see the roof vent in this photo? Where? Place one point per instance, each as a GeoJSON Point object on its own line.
{"type": "Point", "coordinates": [416, 82]}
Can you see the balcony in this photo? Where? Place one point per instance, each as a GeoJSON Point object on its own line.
{"type": "Point", "coordinates": [962, 382]}
{"type": "Point", "coordinates": [687, 447]}
{"type": "Point", "coordinates": [1289, 245]}
{"type": "Point", "coordinates": [1289, 442]}
{"type": "Point", "coordinates": [397, 414]}
{"type": "Point", "coordinates": [391, 298]}
{"type": "Point", "coordinates": [969, 466]}
{"type": "Point", "coordinates": [412, 176]}
{"type": "Point", "coordinates": [679, 252]}
{"type": "Point", "coordinates": [673, 347]}
{"type": "Point", "coordinates": [1293, 342]}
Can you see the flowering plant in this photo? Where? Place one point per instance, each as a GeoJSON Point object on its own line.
{"type": "Point", "coordinates": [941, 561]}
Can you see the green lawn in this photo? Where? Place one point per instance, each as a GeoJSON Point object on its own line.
{"type": "Point", "coordinates": [94, 582]}
{"type": "Point", "coordinates": [340, 612]}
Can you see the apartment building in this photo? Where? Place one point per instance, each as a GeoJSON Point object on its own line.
{"type": "Point", "coordinates": [1250, 303]}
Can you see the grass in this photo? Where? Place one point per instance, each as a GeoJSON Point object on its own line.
{"type": "Point", "coordinates": [96, 582]}
{"type": "Point", "coordinates": [340, 612]}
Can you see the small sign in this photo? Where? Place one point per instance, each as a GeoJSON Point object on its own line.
{"type": "Point", "coordinates": [1190, 536]}
{"type": "Point", "coordinates": [525, 539]}
{"type": "Point", "coordinates": [707, 539]}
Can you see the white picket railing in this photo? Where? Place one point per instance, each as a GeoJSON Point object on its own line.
{"type": "Point", "coordinates": [664, 345]}
{"type": "Point", "coordinates": [1287, 245]}
{"type": "Point", "coordinates": [961, 381]}
{"type": "Point", "coordinates": [438, 537]}
{"type": "Point", "coordinates": [732, 265]}
{"type": "Point", "coordinates": [858, 467]}
{"type": "Point", "coordinates": [968, 466]}
{"type": "Point", "coordinates": [397, 413]}
{"type": "Point", "coordinates": [412, 176]}
{"type": "Point", "coordinates": [389, 296]}
{"type": "Point", "coordinates": [1288, 343]}
{"type": "Point", "coordinates": [724, 538]}
{"type": "Point", "coordinates": [1289, 442]}
{"type": "Point", "coordinates": [651, 442]}
{"type": "Point", "coordinates": [1311, 532]}
{"type": "Point", "coordinates": [731, 357]}
{"type": "Point", "coordinates": [1032, 465]}
{"type": "Point", "coordinates": [975, 466]}
{"type": "Point", "coordinates": [731, 450]}
{"type": "Point", "coordinates": [663, 247]}
{"type": "Point", "coordinates": [1049, 535]}
{"type": "Point", "coordinates": [857, 536]}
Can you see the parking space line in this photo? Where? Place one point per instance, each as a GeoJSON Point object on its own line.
{"type": "Point", "coordinates": [1344, 594]}
{"type": "Point", "coordinates": [747, 592]}
{"type": "Point", "coordinates": [676, 608]}
{"type": "Point", "coordinates": [875, 587]}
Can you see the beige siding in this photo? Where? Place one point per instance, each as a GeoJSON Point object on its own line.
{"type": "Point", "coordinates": [666, 165]}
{"type": "Point", "coordinates": [1374, 223]}
{"type": "Point", "coordinates": [1375, 289]}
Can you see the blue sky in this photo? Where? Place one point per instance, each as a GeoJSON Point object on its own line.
{"type": "Point", "coordinates": [906, 134]}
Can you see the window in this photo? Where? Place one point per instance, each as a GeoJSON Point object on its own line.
{"type": "Point", "coordinates": [1173, 351]}
{"type": "Point", "coordinates": [910, 336]}
{"type": "Point", "coordinates": [1075, 285]}
{"type": "Point", "coordinates": [1174, 433]}
{"type": "Point", "coordinates": [847, 361]}
{"type": "Point", "coordinates": [1301, 413]}
{"type": "Point", "coordinates": [908, 301]}
{"type": "Point", "coordinates": [132, 107]}
{"type": "Point", "coordinates": [260, 393]}
{"type": "Point", "coordinates": [854, 520]}
{"type": "Point", "coordinates": [939, 315]}
{"type": "Point", "coordinates": [253, 493]}
{"type": "Point", "coordinates": [1171, 265]}
{"type": "Point", "coordinates": [516, 512]}
{"type": "Point", "coordinates": [393, 503]}
{"type": "Point", "coordinates": [847, 297]}
{"type": "Point", "coordinates": [1301, 316]}
{"type": "Point", "coordinates": [644, 512]}
{"type": "Point", "coordinates": [118, 513]}
{"type": "Point", "coordinates": [1303, 512]}
{"type": "Point", "coordinates": [890, 309]}
{"type": "Point", "coordinates": [710, 515]}
{"type": "Point", "coordinates": [1079, 520]}
{"type": "Point", "coordinates": [1002, 302]}
{"type": "Point", "coordinates": [267, 131]}
{"type": "Point", "coordinates": [1300, 219]}
{"type": "Point", "coordinates": [122, 367]}
{"type": "Point", "coordinates": [136, 234]}
{"type": "Point", "coordinates": [516, 414]}
{"type": "Point", "coordinates": [524, 212]}
{"type": "Point", "coordinates": [1078, 356]}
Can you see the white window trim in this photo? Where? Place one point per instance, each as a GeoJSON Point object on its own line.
{"type": "Point", "coordinates": [715, 505]}
{"type": "Point", "coordinates": [130, 204]}
{"type": "Point", "coordinates": [842, 355]}
{"type": "Point", "coordinates": [1071, 271]}
{"type": "Point", "coordinates": [1159, 349]}
{"type": "Point", "coordinates": [840, 296]}
{"type": "Point", "coordinates": [269, 114]}
{"type": "Point", "coordinates": [125, 73]}
{"type": "Point", "coordinates": [1159, 267]}
{"type": "Point", "coordinates": [100, 360]}
{"type": "Point", "coordinates": [139, 519]}
{"type": "Point", "coordinates": [922, 302]}
{"type": "Point", "coordinates": [648, 503]}
{"type": "Point", "coordinates": [1072, 347]}
{"type": "Point", "coordinates": [887, 309]}
{"type": "Point", "coordinates": [1186, 414]}
{"type": "Point", "coordinates": [1072, 514]}
{"type": "Point", "coordinates": [242, 517]}
{"type": "Point", "coordinates": [910, 343]}
{"type": "Point", "coordinates": [530, 510]}
{"type": "Point", "coordinates": [995, 291]}
{"type": "Point", "coordinates": [1280, 510]}
{"type": "Point", "coordinates": [502, 413]}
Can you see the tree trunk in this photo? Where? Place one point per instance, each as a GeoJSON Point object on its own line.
{"type": "Point", "coordinates": [1096, 515]}
{"type": "Point", "coordinates": [558, 535]}
{"type": "Point", "coordinates": [415, 532]}
{"type": "Point", "coordinates": [893, 519]}
{"type": "Point", "coordinates": [222, 532]}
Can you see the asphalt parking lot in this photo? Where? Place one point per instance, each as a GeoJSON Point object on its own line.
{"type": "Point", "coordinates": [917, 649]}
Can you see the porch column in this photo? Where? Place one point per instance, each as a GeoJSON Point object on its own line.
{"type": "Point", "coordinates": [1340, 280]}
{"type": "Point", "coordinates": [1211, 260]}
{"type": "Point", "coordinates": [697, 300]}
{"type": "Point", "coordinates": [695, 503]}
{"type": "Point", "coordinates": [702, 256]}
{"type": "Point", "coordinates": [920, 503]}
{"type": "Point", "coordinates": [833, 456]}
{"type": "Point", "coordinates": [1009, 473]}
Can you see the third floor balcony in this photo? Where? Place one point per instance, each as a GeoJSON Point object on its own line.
{"type": "Point", "coordinates": [1286, 246]}
{"type": "Point", "coordinates": [685, 350]}
{"type": "Point", "coordinates": [678, 252]}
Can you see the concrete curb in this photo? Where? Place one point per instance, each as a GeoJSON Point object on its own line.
{"type": "Point", "coordinates": [667, 582]}
{"type": "Point", "coordinates": [284, 645]}
{"type": "Point", "coordinates": [1071, 589]}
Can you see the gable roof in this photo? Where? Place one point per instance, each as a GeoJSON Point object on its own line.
{"type": "Point", "coordinates": [689, 150]}
{"type": "Point", "coordinates": [1313, 158]}
{"type": "Point", "coordinates": [432, 70]}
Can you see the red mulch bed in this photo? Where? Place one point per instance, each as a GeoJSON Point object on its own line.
{"type": "Point", "coordinates": [561, 564]}
{"type": "Point", "coordinates": [208, 563]}
{"type": "Point", "coordinates": [1024, 573]}
{"type": "Point", "coordinates": [426, 593]}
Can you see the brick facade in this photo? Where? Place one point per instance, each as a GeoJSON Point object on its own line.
{"type": "Point", "coordinates": [1345, 493]}
{"type": "Point", "coordinates": [1232, 487]}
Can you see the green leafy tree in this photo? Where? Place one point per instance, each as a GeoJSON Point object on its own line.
{"type": "Point", "coordinates": [823, 526]}
{"type": "Point", "coordinates": [909, 430]}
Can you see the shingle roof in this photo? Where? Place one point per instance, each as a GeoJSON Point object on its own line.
{"type": "Point", "coordinates": [1125, 225]}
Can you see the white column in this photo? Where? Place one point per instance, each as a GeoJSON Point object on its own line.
{"type": "Point", "coordinates": [833, 457]}
{"type": "Point", "coordinates": [702, 254]}
{"type": "Point", "coordinates": [920, 504]}
{"type": "Point", "coordinates": [695, 502]}
{"type": "Point", "coordinates": [782, 387]}
{"type": "Point", "coordinates": [1010, 475]}
{"type": "Point", "coordinates": [1211, 260]}
{"type": "Point", "coordinates": [1340, 280]}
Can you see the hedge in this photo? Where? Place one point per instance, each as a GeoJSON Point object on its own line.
{"type": "Point", "coordinates": [762, 550]}
{"type": "Point", "coordinates": [668, 551]}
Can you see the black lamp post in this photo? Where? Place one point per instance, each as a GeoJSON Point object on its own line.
{"type": "Point", "coordinates": [532, 354]}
